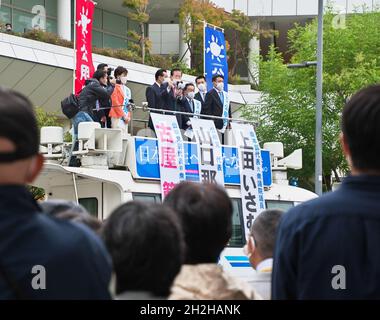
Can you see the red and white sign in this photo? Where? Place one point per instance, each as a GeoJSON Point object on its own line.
{"type": "Point", "coordinates": [84, 69]}
{"type": "Point", "coordinates": [171, 151]}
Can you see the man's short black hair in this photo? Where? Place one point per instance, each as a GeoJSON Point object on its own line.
{"type": "Point", "coordinates": [119, 71]}
{"type": "Point", "coordinates": [98, 74]}
{"type": "Point", "coordinates": [216, 77]}
{"type": "Point", "coordinates": [189, 85]}
{"type": "Point", "coordinates": [205, 212]}
{"type": "Point", "coordinates": [146, 245]}
{"type": "Point", "coordinates": [199, 78]}
{"type": "Point", "coordinates": [361, 128]}
{"type": "Point", "coordinates": [264, 231]}
{"type": "Point", "coordinates": [101, 66]}
{"type": "Point", "coordinates": [18, 124]}
{"type": "Point", "coordinates": [159, 73]}
{"type": "Point", "coordinates": [174, 70]}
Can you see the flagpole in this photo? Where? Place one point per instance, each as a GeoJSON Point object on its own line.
{"type": "Point", "coordinates": [204, 48]}
{"type": "Point", "coordinates": [75, 43]}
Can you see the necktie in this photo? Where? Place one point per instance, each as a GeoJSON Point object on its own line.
{"type": "Point", "coordinates": [221, 97]}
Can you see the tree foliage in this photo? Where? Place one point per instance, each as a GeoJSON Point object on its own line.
{"type": "Point", "coordinates": [287, 113]}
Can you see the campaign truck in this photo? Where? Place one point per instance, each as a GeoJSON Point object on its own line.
{"type": "Point", "coordinates": [117, 167]}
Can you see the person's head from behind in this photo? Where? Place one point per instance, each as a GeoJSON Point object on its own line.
{"type": "Point", "coordinates": [189, 91]}
{"type": "Point", "coordinates": [146, 246]}
{"type": "Point", "coordinates": [101, 76]}
{"type": "Point", "coordinates": [218, 82]}
{"type": "Point", "coordinates": [201, 83]}
{"type": "Point", "coordinates": [161, 75]}
{"type": "Point", "coordinates": [20, 161]}
{"type": "Point", "coordinates": [262, 238]}
{"type": "Point", "coordinates": [176, 75]}
{"type": "Point", "coordinates": [71, 211]}
{"type": "Point", "coordinates": [121, 74]}
{"type": "Point", "coordinates": [205, 212]}
{"type": "Point", "coordinates": [360, 137]}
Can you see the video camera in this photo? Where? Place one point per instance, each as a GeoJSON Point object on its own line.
{"type": "Point", "coordinates": [180, 85]}
{"type": "Point", "coordinates": [109, 72]}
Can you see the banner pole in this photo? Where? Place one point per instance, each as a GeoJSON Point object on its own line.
{"type": "Point", "coordinates": [75, 44]}
{"type": "Point", "coordinates": [204, 48]}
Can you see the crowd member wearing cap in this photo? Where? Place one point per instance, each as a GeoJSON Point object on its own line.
{"type": "Point", "coordinates": [40, 257]}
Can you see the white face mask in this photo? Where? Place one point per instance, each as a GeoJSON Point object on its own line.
{"type": "Point", "coordinates": [123, 80]}
{"type": "Point", "coordinates": [220, 86]}
{"type": "Point", "coordinates": [191, 95]}
{"type": "Point", "coordinates": [202, 87]}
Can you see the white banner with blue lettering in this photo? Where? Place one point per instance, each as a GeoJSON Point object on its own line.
{"type": "Point", "coordinates": [170, 150]}
{"type": "Point", "coordinates": [251, 176]}
{"type": "Point", "coordinates": [215, 55]}
{"type": "Point", "coordinates": [209, 151]}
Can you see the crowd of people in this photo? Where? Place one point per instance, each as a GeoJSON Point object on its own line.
{"type": "Point", "coordinates": [106, 98]}
{"type": "Point", "coordinates": [322, 249]}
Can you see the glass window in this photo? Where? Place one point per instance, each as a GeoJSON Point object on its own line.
{"type": "Point", "coordinates": [238, 236]}
{"type": "Point", "coordinates": [281, 205]}
{"type": "Point", "coordinates": [28, 5]}
{"type": "Point", "coordinates": [97, 39]}
{"type": "Point", "coordinates": [115, 23]}
{"type": "Point", "coordinates": [146, 197]}
{"type": "Point", "coordinates": [5, 15]}
{"type": "Point", "coordinates": [51, 25]}
{"type": "Point", "coordinates": [114, 42]}
{"type": "Point", "coordinates": [91, 205]}
{"type": "Point", "coordinates": [133, 26]}
{"type": "Point", "coordinates": [51, 8]}
{"type": "Point", "coordinates": [98, 19]}
{"type": "Point", "coordinates": [22, 21]}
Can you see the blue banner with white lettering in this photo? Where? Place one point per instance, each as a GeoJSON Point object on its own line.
{"type": "Point", "coordinates": [215, 56]}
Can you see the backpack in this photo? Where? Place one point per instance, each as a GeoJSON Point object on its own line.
{"type": "Point", "coordinates": [70, 106]}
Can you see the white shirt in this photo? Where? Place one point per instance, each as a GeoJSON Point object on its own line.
{"type": "Point", "coordinates": [265, 265]}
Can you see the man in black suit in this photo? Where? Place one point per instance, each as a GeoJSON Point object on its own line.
{"type": "Point", "coordinates": [202, 87]}
{"type": "Point", "coordinates": [153, 94]}
{"type": "Point", "coordinates": [217, 104]}
{"type": "Point", "coordinates": [189, 104]}
{"type": "Point", "coordinates": [172, 92]}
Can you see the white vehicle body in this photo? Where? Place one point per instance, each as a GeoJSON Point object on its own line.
{"type": "Point", "coordinates": [101, 190]}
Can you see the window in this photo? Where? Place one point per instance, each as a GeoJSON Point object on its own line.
{"type": "Point", "coordinates": [27, 5]}
{"type": "Point", "coordinates": [22, 21]}
{"type": "Point", "coordinates": [91, 205]}
{"type": "Point", "coordinates": [51, 25]}
{"type": "Point", "coordinates": [97, 39]}
{"type": "Point", "coordinates": [115, 23]}
{"type": "Point", "coordinates": [281, 205]}
{"type": "Point", "coordinates": [146, 197]}
{"type": "Point", "coordinates": [5, 15]}
{"type": "Point", "coordinates": [238, 236]}
{"type": "Point", "coordinates": [114, 42]}
{"type": "Point", "coordinates": [98, 19]}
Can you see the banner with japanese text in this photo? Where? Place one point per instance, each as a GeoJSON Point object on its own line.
{"type": "Point", "coordinates": [215, 55]}
{"type": "Point", "coordinates": [251, 177]}
{"type": "Point", "coordinates": [209, 151]}
{"type": "Point", "coordinates": [171, 151]}
{"type": "Point", "coordinates": [84, 67]}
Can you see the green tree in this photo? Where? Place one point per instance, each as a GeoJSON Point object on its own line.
{"type": "Point", "coordinates": [139, 13]}
{"type": "Point", "coordinates": [287, 113]}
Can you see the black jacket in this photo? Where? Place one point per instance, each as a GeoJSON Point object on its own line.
{"type": "Point", "coordinates": [76, 262]}
{"type": "Point", "coordinates": [184, 106]}
{"type": "Point", "coordinates": [154, 99]}
{"type": "Point", "coordinates": [199, 98]}
{"type": "Point", "coordinates": [92, 92]}
{"type": "Point", "coordinates": [319, 238]}
{"type": "Point", "coordinates": [213, 106]}
{"type": "Point", "coordinates": [170, 102]}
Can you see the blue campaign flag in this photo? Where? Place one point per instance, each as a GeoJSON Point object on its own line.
{"type": "Point", "coordinates": [215, 55]}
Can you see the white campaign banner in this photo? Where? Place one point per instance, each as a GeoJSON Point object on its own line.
{"type": "Point", "coordinates": [171, 151]}
{"type": "Point", "coordinates": [209, 151]}
{"type": "Point", "coordinates": [251, 178]}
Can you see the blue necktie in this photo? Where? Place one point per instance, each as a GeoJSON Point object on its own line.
{"type": "Point", "coordinates": [221, 97]}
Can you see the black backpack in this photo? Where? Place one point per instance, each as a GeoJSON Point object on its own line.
{"type": "Point", "coordinates": [70, 106]}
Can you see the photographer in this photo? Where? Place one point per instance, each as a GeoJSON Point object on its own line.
{"type": "Point", "coordinates": [172, 92]}
{"type": "Point", "coordinates": [104, 105]}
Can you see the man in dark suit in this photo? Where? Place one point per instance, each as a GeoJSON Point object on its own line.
{"type": "Point", "coordinates": [153, 94]}
{"type": "Point", "coordinates": [172, 92]}
{"type": "Point", "coordinates": [328, 248]}
{"type": "Point", "coordinates": [202, 87]}
{"type": "Point", "coordinates": [189, 104]}
{"type": "Point", "coordinates": [217, 104]}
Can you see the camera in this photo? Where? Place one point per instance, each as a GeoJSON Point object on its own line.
{"type": "Point", "coordinates": [180, 85]}
{"type": "Point", "coordinates": [109, 71]}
